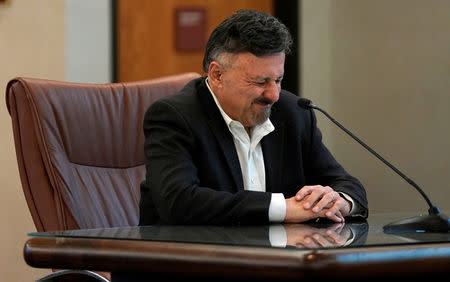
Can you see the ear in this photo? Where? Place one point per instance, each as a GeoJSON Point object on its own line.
{"type": "Point", "coordinates": [215, 72]}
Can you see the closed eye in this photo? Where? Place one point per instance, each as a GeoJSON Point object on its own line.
{"type": "Point", "coordinates": [266, 81]}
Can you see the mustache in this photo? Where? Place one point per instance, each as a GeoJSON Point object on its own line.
{"type": "Point", "coordinates": [262, 100]}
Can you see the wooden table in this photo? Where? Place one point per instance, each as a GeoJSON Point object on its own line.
{"type": "Point", "coordinates": [226, 253]}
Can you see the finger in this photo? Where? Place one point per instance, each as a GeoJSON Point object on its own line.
{"type": "Point", "coordinates": [303, 192]}
{"type": "Point", "coordinates": [314, 196]}
{"type": "Point", "coordinates": [334, 214]}
{"type": "Point", "coordinates": [335, 218]}
{"type": "Point", "coordinates": [340, 212]}
{"type": "Point", "coordinates": [326, 200]}
{"type": "Point", "coordinates": [340, 215]}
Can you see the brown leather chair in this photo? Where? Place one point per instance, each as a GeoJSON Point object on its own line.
{"type": "Point", "coordinates": [79, 148]}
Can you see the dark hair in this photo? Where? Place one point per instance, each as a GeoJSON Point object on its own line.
{"type": "Point", "coordinates": [247, 31]}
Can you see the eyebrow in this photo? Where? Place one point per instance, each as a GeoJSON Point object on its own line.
{"type": "Point", "coordinates": [266, 78]}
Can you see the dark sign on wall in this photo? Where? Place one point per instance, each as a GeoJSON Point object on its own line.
{"type": "Point", "coordinates": [190, 29]}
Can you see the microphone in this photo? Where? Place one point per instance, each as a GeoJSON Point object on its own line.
{"type": "Point", "coordinates": [435, 221]}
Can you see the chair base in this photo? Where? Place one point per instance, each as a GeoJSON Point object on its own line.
{"type": "Point", "coordinates": [65, 275]}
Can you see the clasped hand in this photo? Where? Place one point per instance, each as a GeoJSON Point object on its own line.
{"type": "Point", "coordinates": [316, 201]}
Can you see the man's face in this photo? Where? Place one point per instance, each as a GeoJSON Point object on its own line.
{"type": "Point", "coordinates": [249, 86]}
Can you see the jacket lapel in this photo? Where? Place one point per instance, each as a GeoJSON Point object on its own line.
{"type": "Point", "coordinates": [272, 146]}
{"type": "Point", "coordinates": [222, 133]}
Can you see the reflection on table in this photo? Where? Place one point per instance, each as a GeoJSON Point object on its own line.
{"type": "Point", "coordinates": [308, 235]}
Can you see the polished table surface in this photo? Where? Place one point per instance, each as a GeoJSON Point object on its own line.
{"type": "Point", "coordinates": [355, 249]}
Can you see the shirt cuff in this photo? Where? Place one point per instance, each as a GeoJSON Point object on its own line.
{"type": "Point", "coordinates": [277, 208]}
{"type": "Point", "coordinates": [354, 208]}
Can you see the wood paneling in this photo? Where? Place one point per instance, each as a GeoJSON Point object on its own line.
{"type": "Point", "coordinates": [146, 35]}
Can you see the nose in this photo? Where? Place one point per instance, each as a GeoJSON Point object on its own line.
{"type": "Point", "coordinates": [272, 91]}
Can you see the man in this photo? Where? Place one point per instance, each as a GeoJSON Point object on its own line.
{"type": "Point", "coordinates": [234, 148]}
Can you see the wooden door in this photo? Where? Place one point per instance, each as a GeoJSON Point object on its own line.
{"type": "Point", "coordinates": [145, 35]}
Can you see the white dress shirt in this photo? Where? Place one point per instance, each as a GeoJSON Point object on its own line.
{"type": "Point", "coordinates": [251, 159]}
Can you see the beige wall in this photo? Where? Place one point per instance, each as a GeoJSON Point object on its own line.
{"type": "Point", "coordinates": [382, 68]}
{"type": "Point", "coordinates": [31, 44]}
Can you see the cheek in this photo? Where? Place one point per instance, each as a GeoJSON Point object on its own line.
{"type": "Point", "coordinates": [249, 96]}
{"type": "Point", "coordinates": [242, 95]}
{"type": "Point", "coordinates": [234, 99]}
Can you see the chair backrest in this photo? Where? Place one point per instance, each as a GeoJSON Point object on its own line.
{"type": "Point", "coordinates": [79, 148]}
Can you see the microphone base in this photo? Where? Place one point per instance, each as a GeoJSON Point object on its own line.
{"type": "Point", "coordinates": [425, 223]}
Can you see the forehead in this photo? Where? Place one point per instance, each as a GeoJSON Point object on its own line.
{"type": "Point", "coordinates": [259, 67]}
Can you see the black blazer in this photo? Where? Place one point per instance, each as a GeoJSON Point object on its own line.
{"type": "Point", "coordinates": [193, 175]}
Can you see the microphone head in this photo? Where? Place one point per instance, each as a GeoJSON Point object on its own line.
{"type": "Point", "coordinates": [304, 103]}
